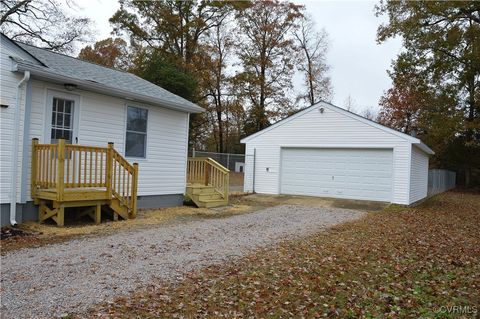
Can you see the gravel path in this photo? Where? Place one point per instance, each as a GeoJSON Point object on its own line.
{"type": "Point", "coordinates": [73, 276]}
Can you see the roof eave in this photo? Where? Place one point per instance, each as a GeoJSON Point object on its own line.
{"type": "Point", "coordinates": [18, 46]}
{"type": "Point", "coordinates": [42, 73]}
{"type": "Point", "coordinates": [424, 148]}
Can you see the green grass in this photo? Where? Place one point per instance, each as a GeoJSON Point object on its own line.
{"type": "Point", "coordinates": [400, 263]}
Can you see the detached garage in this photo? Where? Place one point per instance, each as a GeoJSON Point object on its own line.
{"type": "Point", "coordinates": [327, 151]}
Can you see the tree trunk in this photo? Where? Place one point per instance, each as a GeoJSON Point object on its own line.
{"type": "Point", "coordinates": [261, 104]}
{"type": "Point", "coordinates": [310, 79]}
{"type": "Point", "coordinates": [220, 131]}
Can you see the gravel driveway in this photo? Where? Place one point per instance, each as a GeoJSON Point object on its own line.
{"type": "Point", "coordinates": [73, 276]}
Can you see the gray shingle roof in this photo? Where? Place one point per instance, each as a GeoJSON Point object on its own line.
{"type": "Point", "coordinates": [67, 66]}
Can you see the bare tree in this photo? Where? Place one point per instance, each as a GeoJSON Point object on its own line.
{"type": "Point", "coordinates": [349, 104]}
{"type": "Point", "coordinates": [369, 113]}
{"type": "Point", "coordinates": [313, 47]}
{"type": "Point", "coordinates": [43, 23]}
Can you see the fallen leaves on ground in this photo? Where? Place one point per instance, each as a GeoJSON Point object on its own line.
{"type": "Point", "coordinates": [399, 263]}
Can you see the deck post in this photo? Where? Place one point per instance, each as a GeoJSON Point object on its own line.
{"type": "Point", "coordinates": [60, 169]}
{"type": "Point", "coordinates": [61, 216]}
{"type": "Point", "coordinates": [108, 170]}
{"type": "Point", "coordinates": [134, 189]}
{"type": "Point", "coordinates": [207, 172]}
{"type": "Point", "coordinates": [227, 185]}
{"type": "Point", "coordinates": [98, 214]}
{"type": "Point", "coordinates": [33, 183]}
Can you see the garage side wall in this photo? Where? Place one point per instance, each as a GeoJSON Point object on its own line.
{"type": "Point", "coordinates": [418, 175]}
{"type": "Point", "coordinates": [328, 129]}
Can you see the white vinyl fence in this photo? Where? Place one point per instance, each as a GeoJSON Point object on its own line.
{"type": "Point", "coordinates": [440, 180]}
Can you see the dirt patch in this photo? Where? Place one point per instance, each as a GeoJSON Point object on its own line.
{"type": "Point", "coordinates": [264, 200]}
{"type": "Point", "coordinates": [13, 232]}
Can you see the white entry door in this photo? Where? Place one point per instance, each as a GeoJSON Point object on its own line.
{"type": "Point", "coordinates": [62, 117]}
{"type": "Point", "coordinates": [364, 174]}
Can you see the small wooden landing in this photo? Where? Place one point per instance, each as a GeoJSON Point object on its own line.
{"type": "Point", "coordinates": [74, 194]}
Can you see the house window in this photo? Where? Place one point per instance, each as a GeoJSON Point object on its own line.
{"type": "Point", "coordinates": [136, 138]}
{"type": "Point", "coordinates": [62, 120]}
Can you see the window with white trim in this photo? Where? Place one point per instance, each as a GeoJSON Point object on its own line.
{"type": "Point", "coordinates": [136, 136]}
{"type": "Point", "coordinates": [62, 120]}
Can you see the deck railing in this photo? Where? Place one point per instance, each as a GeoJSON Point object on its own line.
{"type": "Point", "coordinates": [123, 180]}
{"type": "Point", "coordinates": [66, 166]}
{"type": "Point", "coordinates": [206, 171]}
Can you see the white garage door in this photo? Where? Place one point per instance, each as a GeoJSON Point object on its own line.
{"type": "Point", "coordinates": [345, 173]}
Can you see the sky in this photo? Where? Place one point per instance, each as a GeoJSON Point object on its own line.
{"type": "Point", "coordinates": [358, 64]}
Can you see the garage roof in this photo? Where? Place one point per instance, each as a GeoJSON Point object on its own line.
{"type": "Point", "coordinates": [330, 106]}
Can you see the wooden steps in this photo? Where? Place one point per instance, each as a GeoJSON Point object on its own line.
{"type": "Point", "coordinates": [207, 182]}
{"type": "Point", "coordinates": [119, 209]}
{"type": "Point", "coordinates": [205, 196]}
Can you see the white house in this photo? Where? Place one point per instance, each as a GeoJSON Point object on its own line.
{"type": "Point", "coordinates": [327, 151]}
{"type": "Point", "coordinates": [48, 96]}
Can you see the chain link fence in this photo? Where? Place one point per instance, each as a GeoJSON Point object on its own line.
{"type": "Point", "coordinates": [234, 162]}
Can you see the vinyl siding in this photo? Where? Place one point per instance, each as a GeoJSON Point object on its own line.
{"type": "Point", "coordinates": [8, 94]}
{"type": "Point", "coordinates": [330, 129]}
{"type": "Point", "coordinates": [418, 175]}
{"type": "Point", "coordinates": [102, 119]}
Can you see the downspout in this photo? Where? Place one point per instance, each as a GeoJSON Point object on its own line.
{"type": "Point", "coordinates": [16, 131]}
{"type": "Point", "coordinates": [26, 143]}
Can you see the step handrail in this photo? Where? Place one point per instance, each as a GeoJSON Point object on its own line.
{"type": "Point", "coordinates": [124, 181]}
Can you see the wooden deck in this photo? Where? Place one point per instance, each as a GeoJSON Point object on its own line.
{"type": "Point", "coordinates": [207, 182]}
{"type": "Point", "coordinates": [82, 176]}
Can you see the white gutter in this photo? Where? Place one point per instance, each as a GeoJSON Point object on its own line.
{"type": "Point", "coordinates": [16, 131]}
{"type": "Point", "coordinates": [424, 148]}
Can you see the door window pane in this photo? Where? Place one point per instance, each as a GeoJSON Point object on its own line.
{"type": "Point", "coordinates": [62, 124]}
{"type": "Point", "coordinates": [66, 120]}
{"type": "Point", "coordinates": [68, 106]}
{"type": "Point", "coordinates": [136, 135]}
{"type": "Point", "coordinates": [59, 121]}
